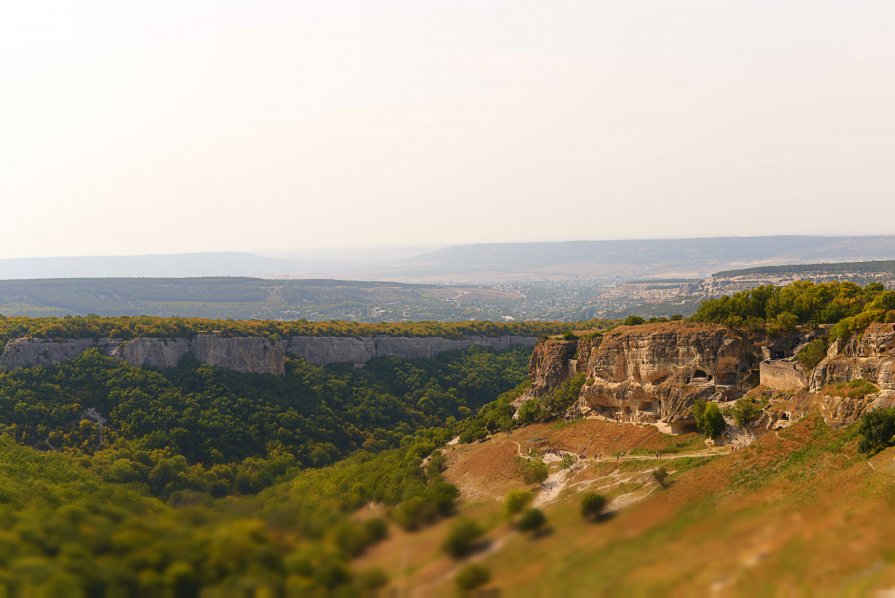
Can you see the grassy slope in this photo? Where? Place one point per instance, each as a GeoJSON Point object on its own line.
{"type": "Point", "coordinates": [797, 511]}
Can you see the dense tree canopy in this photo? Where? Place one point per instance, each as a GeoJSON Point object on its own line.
{"type": "Point", "coordinates": [848, 306]}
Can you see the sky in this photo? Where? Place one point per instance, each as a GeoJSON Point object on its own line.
{"type": "Point", "coordinates": [273, 126]}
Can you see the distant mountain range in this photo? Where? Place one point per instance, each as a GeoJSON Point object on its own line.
{"type": "Point", "coordinates": [485, 263]}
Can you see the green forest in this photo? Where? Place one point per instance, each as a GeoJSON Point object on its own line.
{"type": "Point", "coordinates": [118, 480]}
{"type": "Point", "coordinates": [848, 307]}
{"type": "Point", "coordinates": [126, 327]}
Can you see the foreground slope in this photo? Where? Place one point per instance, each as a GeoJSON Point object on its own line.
{"type": "Point", "coordinates": [799, 510]}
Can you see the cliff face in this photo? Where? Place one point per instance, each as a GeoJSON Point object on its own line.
{"type": "Point", "coordinates": [245, 354]}
{"type": "Point", "coordinates": [870, 356]}
{"type": "Point", "coordinates": [650, 373]}
{"type": "Point", "coordinates": [551, 363]}
{"type": "Point", "coordinates": [322, 350]}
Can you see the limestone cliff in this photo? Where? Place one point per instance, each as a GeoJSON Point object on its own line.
{"type": "Point", "coordinates": [323, 350]}
{"type": "Point", "coordinates": [650, 373]}
{"type": "Point", "coordinates": [245, 354]}
{"type": "Point", "coordinates": [870, 356]}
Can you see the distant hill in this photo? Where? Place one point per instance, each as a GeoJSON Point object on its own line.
{"type": "Point", "coordinates": [874, 267]}
{"type": "Point", "coordinates": [481, 263]}
{"type": "Point", "coordinates": [173, 265]}
{"type": "Point", "coordinates": [666, 258]}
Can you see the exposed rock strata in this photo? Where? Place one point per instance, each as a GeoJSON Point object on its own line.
{"type": "Point", "coordinates": [245, 354]}
{"type": "Point", "coordinates": [650, 373]}
{"type": "Point", "coordinates": [323, 350]}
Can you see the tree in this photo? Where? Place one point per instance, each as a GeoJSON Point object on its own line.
{"type": "Point", "coordinates": [532, 520]}
{"type": "Point", "coordinates": [876, 429]}
{"type": "Point", "coordinates": [463, 538]}
{"type": "Point", "coordinates": [813, 353]}
{"type": "Point", "coordinates": [472, 576]}
{"type": "Point", "coordinates": [708, 418]}
{"type": "Point", "coordinates": [516, 502]}
{"type": "Point", "coordinates": [592, 506]}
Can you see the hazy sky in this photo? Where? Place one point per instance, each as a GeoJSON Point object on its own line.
{"type": "Point", "coordinates": [132, 126]}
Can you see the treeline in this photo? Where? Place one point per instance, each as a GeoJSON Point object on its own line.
{"type": "Point", "coordinates": [846, 305]}
{"type": "Point", "coordinates": [126, 327]}
{"type": "Point", "coordinates": [880, 266]}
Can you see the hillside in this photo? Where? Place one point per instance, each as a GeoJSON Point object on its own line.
{"type": "Point", "coordinates": [774, 517]}
{"type": "Point", "coordinates": [422, 475]}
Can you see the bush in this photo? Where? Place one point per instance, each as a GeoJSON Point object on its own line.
{"type": "Point", "coordinates": [516, 502]}
{"type": "Point", "coordinates": [414, 513]}
{"type": "Point", "coordinates": [813, 353]}
{"type": "Point", "coordinates": [876, 429]}
{"type": "Point", "coordinates": [532, 520]}
{"type": "Point", "coordinates": [534, 471]}
{"type": "Point", "coordinates": [568, 335]}
{"type": "Point", "coordinates": [371, 580]}
{"type": "Point", "coordinates": [472, 576]}
{"type": "Point", "coordinates": [660, 475]}
{"type": "Point", "coordinates": [708, 418]}
{"type": "Point", "coordinates": [853, 389]}
{"type": "Point", "coordinates": [592, 506]}
{"type": "Point", "coordinates": [746, 410]}
{"type": "Point", "coordinates": [634, 321]}
{"type": "Point", "coordinates": [463, 538]}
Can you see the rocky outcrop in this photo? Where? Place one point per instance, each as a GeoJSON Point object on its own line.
{"type": "Point", "coordinates": [870, 356]}
{"type": "Point", "coordinates": [650, 373]}
{"type": "Point", "coordinates": [29, 352]}
{"type": "Point", "coordinates": [252, 354]}
{"type": "Point", "coordinates": [257, 355]}
{"type": "Point", "coordinates": [552, 361]}
{"type": "Point", "coordinates": [323, 350]}
{"type": "Point", "coordinates": [159, 353]}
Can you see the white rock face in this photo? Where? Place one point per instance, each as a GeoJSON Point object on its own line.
{"type": "Point", "coordinates": [324, 350]}
{"type": "Point", "coordinates": [253, 354]}
{"type": "Point", "coordinates": [28, 352]}
{"type": "Point", "coordinates": [152, 352]}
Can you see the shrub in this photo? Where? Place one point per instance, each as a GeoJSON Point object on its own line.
{"type": "Point", "coordinates": [634, 321]}
{"type": "Point", "coordinates": [534, 471]}
{"type": "Point", "coordinates": [876, 429]}
{"type": "Point", "coordinates": [853, 389]}
{"type": "Point", "coordinates": [746, 410]}
{"type": "Point", "coordinates": [592, 506]}
{"type": "Point", "coordinates": [660, 475]}
{"type": "Point", "coordinates": [463, 538]}
{"type": "Point", "coordinates": [813, 353]}
{"type": "Point", "coordinates": [532, 520]}
{"type": "Point", "coordinates": [473, 576]}
{"type": "Point", "coordinates": [531, 411]}
{"type": "Point", "coordinates": [414, 513]}
{"type": "Point", "coordinates": [371, 579]}
{"type": "Point", "coordinates": [568, 335]}
{"type": "Point", "coordinates": [516, 502]}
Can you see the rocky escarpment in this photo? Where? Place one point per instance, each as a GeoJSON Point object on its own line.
{"type": "Point", "coordinates": [324, 350]}
{"type": "Point", "coordinates": [869, 356]}
{"type": "Point", "coordinates": [650, 373]}
{"type": "Point", "coordinates": [257, 355]}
